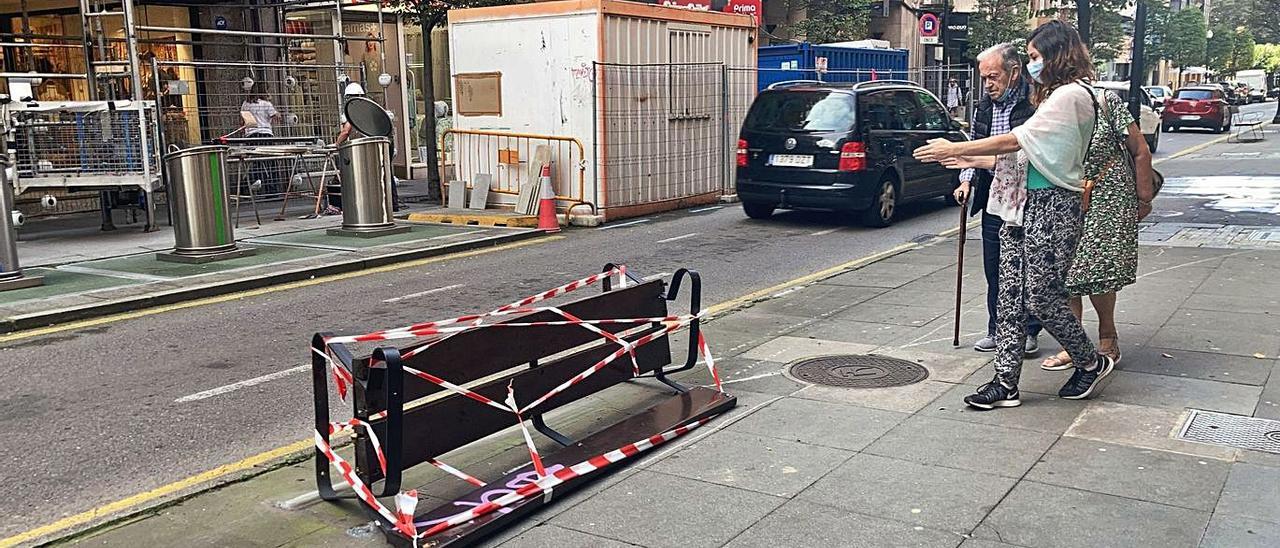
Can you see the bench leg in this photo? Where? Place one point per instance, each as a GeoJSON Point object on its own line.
{"type": "Point", "coordinates": [541, 426]}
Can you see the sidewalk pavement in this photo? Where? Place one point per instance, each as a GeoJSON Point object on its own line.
{"type": "Point", "coordinates": [90, 273]}
{"type": "Point", "coordinates": [797, 464]}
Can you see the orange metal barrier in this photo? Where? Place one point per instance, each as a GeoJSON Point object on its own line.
{"type": "Point", "coordinates": [507, 158]}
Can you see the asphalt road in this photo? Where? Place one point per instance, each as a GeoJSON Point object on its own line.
{"type": "Point", "coordinates": [99, 414]}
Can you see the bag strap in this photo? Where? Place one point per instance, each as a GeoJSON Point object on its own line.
{"type": "Point", "coordinates": [1088, 147]}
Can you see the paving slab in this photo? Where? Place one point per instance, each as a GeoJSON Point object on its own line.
{"type": "Point", "coordinates": [788, 349]}
{"type": "Point", "coordinates": [744, 330]}
{"type": "Point", "coordinates": [1179, 393]}
{"type": "Point", "coordinates": [1143, 427]}
{"type": "Point", "coordinates": [902, 399]}
{"type": "Point", "coordinates": [817, 300]}
{"type": "Point", "coordinates": [968, 446]}
{"type": "Point", "coordinates": [678, 512]}
{"type": "Point", "coordinates": [763, 464]}
{"type": "Point", "coordinates": [983, 543]}
{"type": "Point", "coordinates": [1269, 402]}
{"type": "Point", "coordinates": [1253, 303]}
{"type": "Point", "coordinates": [1142, 474]}
{"type": "Point", "coordinates": [1252, 491]}
{"type": "Point", "coordinates": [854, 331]}
{"type": "Point", "coordinates": [1198, 365]}
{"type": "Point", "coordinates": [804, 523]}
{"type": "Point", "coordinates": [58, 283]}
{"type": "Point", "coordinates": [553, 535]}
{"type": "Point", "coordinates": [913, 316]}
{"type": "Point", "coordinates": [1046, 516]}
{"type": "Point", "coordinates": [825, 424]}
{"type": "Point", "coordinates": [1237, 532]}
{"type": "Point", "coordinates": [937, 497]}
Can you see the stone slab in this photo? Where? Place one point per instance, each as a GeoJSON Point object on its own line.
{"type": "Point", "coordinates": [742, 331]}
{"type": "Point", "coordinates": [560, 537]}
{"type": "Point", "coordinates": [1252, 491]}
{"type": "Point", "coordinates": [817, 300]}
{"type": "Point", "coordinates": [854, 331]}
{"type": "Point", "coordinates": [931, 496]}
{"type": "Point", "coordinates": [677, 512]}
{"type": "Point", "coordinates": [1198, 365]}
{"type": "Point", "coordinates": [803, 523]}
{"type": "Point", "coordinates": [913, 316]}
{"type": "Point", "coordinates": [902, 399]}
{"type": "Point", "coordinates": [1179, 393]}
{"type": "Point", "coordinates": [975, 447]}
{"type": "Point", "coordinates": [788, 349]}
{"type": "Point", "coordinates": [1142, 474]}
{"type": "Point", "coordinates": [820, 423]}
{"type": "Point", "coordinates": [1046, 516]}
{"type": "Point", "coordinates": [763, 464]}
{"type": "Point", "coordinates": [1237, 532]}
{"type": "Point", "coordinates": [1040, 414]}
{"type": "Point", "coordinates": [1143, 427]}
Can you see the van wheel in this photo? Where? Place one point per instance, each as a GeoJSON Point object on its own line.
{"type": "Point", "coordinates": [883, 207]}
{"type": "Point", "coordinates": [757, 210]}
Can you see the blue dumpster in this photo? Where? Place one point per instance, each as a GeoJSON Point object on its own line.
{"type": "Point", "coordinates": [844, 64]}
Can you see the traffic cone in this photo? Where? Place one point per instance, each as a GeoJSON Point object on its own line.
{"type": "Point", "coordinates": [547, 221]}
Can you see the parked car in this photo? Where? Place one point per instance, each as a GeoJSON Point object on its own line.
{"type": "Point", "coordinates": [1229, 93]}
{"type": "Point", "coordinates": [1199, 106]}
{"type": "Point", "coordinates": [1148, 120]}
{"type": "Point", "coordinates": [1159, 94]}
{"type": "Point", "coordinates": [842, 147]}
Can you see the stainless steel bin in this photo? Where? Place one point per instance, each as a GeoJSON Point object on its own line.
{"type": "Point", "coordinates": [201, 209]}
{"type": "Point", "coordinates": [365, 167]}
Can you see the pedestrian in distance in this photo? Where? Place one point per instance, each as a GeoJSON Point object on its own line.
{"type": "Point", "coordinates": [954, 98]}
{"type": "Point", "coordinates": [1040, 172]}
{"type": "Point", "coordinates": [259, 108]}
{"type": "Point", "coordinates": [1116, 198]}
{"type": "Point", "coordinates": [1005, 105]}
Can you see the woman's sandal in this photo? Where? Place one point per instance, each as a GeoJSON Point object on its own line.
{"type": "Point", "coordinates": [1057, 362]}
{"type": "Point", "coordinates": [1112, 351]}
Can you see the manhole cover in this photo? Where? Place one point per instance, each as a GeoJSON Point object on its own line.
{"type": "Point", "coordinates": [858, 371]}
{"type": "Point", "coordinates": [1232, 431]}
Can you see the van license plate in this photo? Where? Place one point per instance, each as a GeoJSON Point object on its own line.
{"type": "Point", "coordinates": [791, 160]}
{"type": "Point", "coordinates": [1190, 117]}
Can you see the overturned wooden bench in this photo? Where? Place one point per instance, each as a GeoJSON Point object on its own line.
{"type": "Point", "coordinates": [406, 416]}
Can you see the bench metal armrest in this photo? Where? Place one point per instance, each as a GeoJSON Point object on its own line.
{"type": "Point", "coordinates": [695, 326]}
{"type": "Point", "coordinates": [320, 394]}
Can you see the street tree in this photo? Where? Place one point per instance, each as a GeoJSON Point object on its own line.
{"type": "Point", "coordinates": [1266, 28]}
{"type": "Point", "coordinates": [1105, 33]}
{"type": "Point", "coordinates": [1267, 57]}
{"type": "Point", "coordinates": [429, 14]}
{"type": "Point", "coordinates": [1242, 50]}
{"type": "Point", "coordinates": [1219, 49]}
{"type": "Point", "coordinates": [1184, 40]}
{"type": "Point", "coordinates": [1159, 17]}
{"type": "Point", "coordinates": [831, 20]}
{"type": "Point", "coordinates": [997, 21]}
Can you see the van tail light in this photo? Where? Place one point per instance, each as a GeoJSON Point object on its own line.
{"type": "Point", "coordinates": [853, 156]}
{"type": "Point", "coordinates": [742, 153]}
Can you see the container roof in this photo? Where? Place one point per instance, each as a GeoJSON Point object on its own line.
{"type": "Point", "coordinates": [607, 7]}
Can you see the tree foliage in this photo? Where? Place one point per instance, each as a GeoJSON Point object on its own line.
{"type": "Point", "coordinates": [997, 21]}
{"type": "Point", "coordinates": [1106, 28]}
{"type": "Point", "coordinates": [1220, 49]}
{"type": "Point", "coordinates": [1267, 57]}
{"type": "Point", "coordinates": [1184, 38]}
{"type": "Point", "coordinates": [831, 20]}
{"type": "Point", "coordinates": [1242, 50]}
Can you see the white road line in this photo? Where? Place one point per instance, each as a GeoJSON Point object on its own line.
{"type": "Point", "coordinates": [467, 233]}
{"type": "Point", "coordinates": [824, 232]}
{"type": "Point", "coordinates": [712, 208]}
{"type": "Point", "coordinates": [421, 293]}
{"type": "Point", "coordinates": [652, 277]}
{"type": "Point", "coordinates": [112, 273]}
{"type": "Point", "coordinates": [620, 225]}
{"type": "Point", "coordinates": [242, 384]}
{"type": "Point", "coordinates": [677, 238]}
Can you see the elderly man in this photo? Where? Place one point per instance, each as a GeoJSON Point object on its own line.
{"type": "Point", "coordinates": [1004, 107]}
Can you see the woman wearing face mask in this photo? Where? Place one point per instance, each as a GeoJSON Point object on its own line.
{"type": "Point", "coordinates": [1043, 224]}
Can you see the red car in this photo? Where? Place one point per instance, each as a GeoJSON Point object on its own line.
{"type": "Point", "coordinates": [1198, 106]}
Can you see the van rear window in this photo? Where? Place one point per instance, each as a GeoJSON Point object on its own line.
{"type": "Point", "coordinates": [809, 111]}
{"type": "Point", "coordinates": [1194, 95]}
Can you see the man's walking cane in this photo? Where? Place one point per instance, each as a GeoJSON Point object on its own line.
{"type": "Point", "coordinates": [964, 211]}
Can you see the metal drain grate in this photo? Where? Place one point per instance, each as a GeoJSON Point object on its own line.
{"type": "Point", "coordinates": [1232, 431]}
{"type": "Point", "coordinates": [858, 371]}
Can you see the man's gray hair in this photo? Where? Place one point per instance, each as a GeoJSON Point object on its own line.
{"type": "Point", "coordinates": [1008, 55]}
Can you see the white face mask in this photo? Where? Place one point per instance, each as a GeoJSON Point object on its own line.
{"type": "Point", "coordinates": [1034, 68]}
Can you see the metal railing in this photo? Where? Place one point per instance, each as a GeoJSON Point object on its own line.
{"type": "Point", "coordinates": [509, 159]}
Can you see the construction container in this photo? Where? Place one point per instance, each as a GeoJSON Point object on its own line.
{"type": "Point", "coordinates": [644, 88]}
{"type": "Point", "coordinates": [844, 64]}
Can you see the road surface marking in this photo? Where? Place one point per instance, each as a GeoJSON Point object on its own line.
{"type": "Point", "coordinates": [242, 384]}
{"type": "Point", "coordinates": [132, 503]}
{"type": "Point", "coordinates": [421, 293]}
{"type": "Point", "coordinates": [19, 335]}
{"type": "Point", "coordinates": [677, 238]}
{"type": "Point", "coordinates": [824, 232]}
{"type": "Point", "coordinates": [137, 277]}
{"type": "Point", "coordinates": [1177, 266]}
{"type": "Point", "coordinates": [620, 225]}
{"type": "Point", "coordinates": [712, 208]}
{"type": "Point", "coordinates": [1196, 148]}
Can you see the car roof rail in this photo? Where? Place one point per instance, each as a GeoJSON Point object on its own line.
{"type": "Point", "coordinates": [869, 83]}
{"type": "Point", "coordinates": [790, 83]}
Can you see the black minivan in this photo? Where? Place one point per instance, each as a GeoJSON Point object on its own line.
{"type": "Point", "coordinates": [842, 147]}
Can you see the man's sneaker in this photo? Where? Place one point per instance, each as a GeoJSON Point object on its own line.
{"type": "Point", "coordinates": [1033, 346]}
{"type": "Point", "coordinates": [985, 344]}
{"type": "Point", "coordinates": [994, 394]}
{"type": "Point", "coordinates": [1084, 383]}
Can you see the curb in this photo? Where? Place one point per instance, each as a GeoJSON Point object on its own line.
{"type": "Point", "coordinates": [45, 319]}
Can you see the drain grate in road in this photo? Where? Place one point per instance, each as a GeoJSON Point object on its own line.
{"type": "Point", "coordinates": [1232, 431]}
{"type": "Point", "coordinates": [858, 371]}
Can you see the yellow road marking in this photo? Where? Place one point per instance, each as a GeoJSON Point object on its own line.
{"type": "Point", "coordinates": [1199, 147]}
{"type": "Point", "coordinates": [296, 447]}
{"type": "Point", "coordinates": [81, 324]}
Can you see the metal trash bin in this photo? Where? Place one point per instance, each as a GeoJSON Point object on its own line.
{"type": "Point", "coordinates": [364, 166]}
{"type": "Point", "coordinates": [197, 186]}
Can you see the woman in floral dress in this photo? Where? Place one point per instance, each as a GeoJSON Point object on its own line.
{"type": "Point", "coordinates": [1106, 259]}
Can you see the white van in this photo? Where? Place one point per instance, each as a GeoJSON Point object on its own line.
{"type": "Point", "coordinates": [1257, 81]}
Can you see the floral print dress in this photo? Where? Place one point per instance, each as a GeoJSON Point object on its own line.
{"type": "Point", "coordinates": [1107, 257]}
